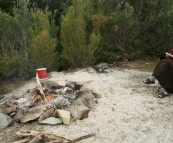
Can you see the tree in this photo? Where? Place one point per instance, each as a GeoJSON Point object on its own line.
{"type": "Point", "coordinates": [7, 6]}
{"type": "Point", "coordinates": [42, 51]}
{"type": "Point", "coordinates": [23, 18]}
{"type": "Point", "coordinates": [76, 49]}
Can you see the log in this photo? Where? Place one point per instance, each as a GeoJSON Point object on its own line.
{"type": "Point", "coordinates": [36, 139]}
{"type": "Point", "coordinates": [48, 136]}
{"type": "Point", "coordinates": [23, 140]}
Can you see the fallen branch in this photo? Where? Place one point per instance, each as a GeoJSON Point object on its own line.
{"type": "Point", "coordinates": [23, 140]}
{"type": "Point", "coordinates": [82, 138]}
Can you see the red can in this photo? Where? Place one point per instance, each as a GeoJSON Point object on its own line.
{"type": "Point", "coordinates": [42, 73]}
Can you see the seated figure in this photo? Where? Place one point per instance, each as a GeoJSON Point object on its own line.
{"type": "Point", "coordinates": [163, 72]}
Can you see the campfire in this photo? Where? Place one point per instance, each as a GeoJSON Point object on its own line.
{"type": "Point", "coordinates": [50, 102]}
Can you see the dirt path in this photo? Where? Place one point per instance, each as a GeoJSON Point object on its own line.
{"type": "Point", "coordinates": [128, 111]}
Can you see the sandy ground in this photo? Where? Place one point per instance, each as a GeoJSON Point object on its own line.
{"type": "Point", "coordinates": [128, 110]}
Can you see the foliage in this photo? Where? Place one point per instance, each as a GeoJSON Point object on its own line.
{"type": "Point", "coordinates": [7, 6]}
{"type": "Point", "coordinates": [9, 67]}
{"type": "Point", "coordinates": [77, 51]}
{"type": "Point", "coordinates": [23, 19]}
{"type": "Point", "coordinates": [42, 50]}
{"type": "Point", "coordinates": [13, 39]}
{"type": "Point", "coordinates": [155, 26]}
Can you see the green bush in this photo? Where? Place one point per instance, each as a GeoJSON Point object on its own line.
{"type": "Point", "coordinates": [10, 67]}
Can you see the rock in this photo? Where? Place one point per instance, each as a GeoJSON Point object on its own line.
{"type": "Point", "coordinates": [64, 116]}
{"type": "Point", "coordinates": [78, 86]}
{"type": "Point", "coordinates": [79, 111]}
{"type": "Point", "coordinates": [101, 67]}
{"type": "Point", "coordinates": [96, 101]}
{"type": "Point", "coordinates": [64, 90]}
{"type": "Point", "coordinates": [7, 98]}
{"type": "Point", "coordinates": [57, 90]}
{"type": "Point", "coordinates": [11, 109]}
{"type": "Point", "coordinates": [59, 83]}
{"type": "Point", "coordinates": [96, 95]}
{"type": "Point", "coordinates": [55, 114]}
{"type": "Point", "coordinates": [1, 96]}
{"type": "Point", "coordinates": [51, 121]}
{"type": "Point", "coordinates": [46, 115]}
{"type": "Point", "coordinates": [70, 84]}
{"type": "Point", "coordinates": [31, 116]}
{"type": "Point", "coordinates": [86, 98]}
{"type": "Point", "coordinates": [5, 120]}
{"type": "Point", "coordinates": [2, 108]}
{"type": "Point", "coordinates": [47, 83]}
{"type": "Point", "coordinates": [69, 96]}
{"type": "Point", "coordinates": [19, 115]}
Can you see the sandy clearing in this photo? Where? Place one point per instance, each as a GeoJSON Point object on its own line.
{"type": "Point", "coordinates": [128, 110]}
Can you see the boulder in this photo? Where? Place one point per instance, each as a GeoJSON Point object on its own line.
{"type": "Point", "coordinates": [5, 120]}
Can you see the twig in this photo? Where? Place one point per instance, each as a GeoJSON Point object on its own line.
{"type": "Point", "coordinates": [82, 138]}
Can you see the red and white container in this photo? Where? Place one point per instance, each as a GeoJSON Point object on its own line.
{"type": "Point", "coordinates": [42, 73]}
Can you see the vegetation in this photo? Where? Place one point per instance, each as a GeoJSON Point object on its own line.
{"type": "Point", "coordinates": [69, 34]}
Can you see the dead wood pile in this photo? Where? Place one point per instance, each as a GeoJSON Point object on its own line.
{"type": "Point", "coordinates": [39, 137]}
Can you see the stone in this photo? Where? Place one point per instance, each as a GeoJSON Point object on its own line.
{"type": "Point", "coordinates": [51, 121]}
{"type": "Point", "coordinates": [86, 98]}
{"type": "Point", "coordinates": [96, 95]}
{"type": "Point", "coordinates": [64, 116]}
{"type": "Point", "coordinates": [31, 116]}
{"type": "Point", "coordinates": [7, 99]}
{"type": "Point", "coordinates": [1, 97]}
{"type": "Point", "coordinates": [2, 108]}
{"type": "Point", "coordinates": [55, 114]}
{"type": "Point", "coordinates": [79, 111]}
{"type": "Point", "coordinates": [70, 84]}
{"type": "Point", "coordinates": [59, 83]}
{"type": "Point", "coordinates": [11, 109]}
{"type": "Point", "coordinates": [5, 120]}
{"type": "Point", "coordinates": [19, 115]}
{"type": "Point", "coordinates": [46, 114]}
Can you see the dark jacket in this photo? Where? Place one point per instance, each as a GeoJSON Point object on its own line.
{"type": "Point", "coordinates": [164, 74]}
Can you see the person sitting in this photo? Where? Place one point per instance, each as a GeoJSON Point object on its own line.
{"type": "Point", "coordinates": [163, 72]}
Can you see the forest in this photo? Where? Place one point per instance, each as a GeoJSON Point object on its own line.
{"type": "Point", "coordinates": [68, 34]}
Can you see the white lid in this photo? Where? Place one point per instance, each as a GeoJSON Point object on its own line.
{"type": "Point", "coordinates": [40, 69]}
